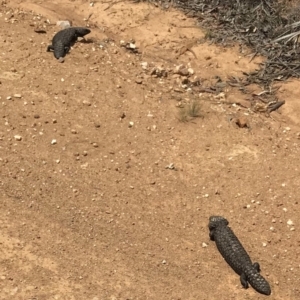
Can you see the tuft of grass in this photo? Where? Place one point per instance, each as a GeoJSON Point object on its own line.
{"type": "Point", "coordinates": [189, 112]}
{"type": "Point", "coordinates": [193, 110]}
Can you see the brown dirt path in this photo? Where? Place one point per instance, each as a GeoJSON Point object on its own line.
{"type": "Point", "coordinates": [89, 209]}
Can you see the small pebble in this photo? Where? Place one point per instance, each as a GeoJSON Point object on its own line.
{"type": "Point", "coordinates": [290, 222]}
{"type": "Point", "coordinates": [204, 245]}
{"type": "Point", "coordinates": [86, 102]}
{"type": "Point", "coordinates": [18, 137]}
{"type": "Point", "coordinates": [144, 65]}
{"type": "Point", "coordinates": [191, 71]}
{"type": "Point", "coordinates": [171, 166]}
{"type": "Point", "coordinates": [130, 124]}
{"type": "Point", "coordinates": [17, 95]}
{"type": "Point", "coordinates": [131, 46]}
{"type": "Point", "coordinates": [53, 142]}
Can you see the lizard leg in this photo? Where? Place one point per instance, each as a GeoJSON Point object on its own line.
{"type": "Point", "coordinates": [211, 235]}
{"type": "Point", "coordinates": [49, 48]}
{"type": "Point", "coordinates": [67, 49]}
{"type": "Point", "coordinates": [244, 281]}
{"type": "Point", "coordinates": [256, 266]}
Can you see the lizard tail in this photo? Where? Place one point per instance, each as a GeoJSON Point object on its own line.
{"type": "Point", "coordinates": [258, 282]}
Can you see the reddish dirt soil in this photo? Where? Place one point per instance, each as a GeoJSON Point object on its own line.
{"type": "Point", "coordinates": [105, 192]}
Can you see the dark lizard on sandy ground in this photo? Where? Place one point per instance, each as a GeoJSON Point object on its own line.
{"type": "Point", "coordinates": [64, 39]}
{"type": "Point", "coordinates": [236, 256]}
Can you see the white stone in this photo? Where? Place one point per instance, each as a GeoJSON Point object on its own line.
{"type": "Point", "coordinates": [18, 137]}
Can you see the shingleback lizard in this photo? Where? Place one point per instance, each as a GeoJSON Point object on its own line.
{"type": "Point", "coordinates": [236, 256]}
{"type": "Point", "coordinates": [64, 39]}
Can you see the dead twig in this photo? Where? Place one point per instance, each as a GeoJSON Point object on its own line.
{"type": "Point", "coordinates": [275, 106]}
{"type": "Point", "coordinates": [112, 4]}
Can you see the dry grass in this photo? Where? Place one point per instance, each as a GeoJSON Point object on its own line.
{"type": "Point", "coordinates": [189, 112]}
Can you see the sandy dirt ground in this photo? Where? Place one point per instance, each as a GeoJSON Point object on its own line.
{"type": "Point", "coordinates": [107, 182]}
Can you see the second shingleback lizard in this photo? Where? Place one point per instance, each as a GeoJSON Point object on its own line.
{"type": "Point", "coordinates": [236, 256]}
{"type": "Point", "coordinates": [64, 39]}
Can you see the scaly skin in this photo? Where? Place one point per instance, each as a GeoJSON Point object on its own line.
{"type": "Point", "coordinates": [64, 39]}
{"type": "Point", "coordinates": [236, 256]}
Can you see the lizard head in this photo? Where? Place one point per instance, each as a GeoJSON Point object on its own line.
{"type": "Point", "coordinates": [215, 221]}
{"type": "Point", "coordinates": [81, 31]}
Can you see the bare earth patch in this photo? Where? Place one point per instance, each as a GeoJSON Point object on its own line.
{"type": "Point", "coordinates": [105, 191]}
